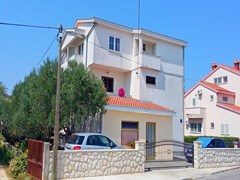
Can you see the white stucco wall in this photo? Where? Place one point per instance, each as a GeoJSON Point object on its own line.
{"type": "Point", "coordinates": [121, 79]}
{"type": "Point", "coordinates": [112, 124]}
{"type": "Point", "coordinates": [232, 85]}
{"type": "Point", "coordinates": [214, 114]}
{"type": "Point", "coordinates": [104, 56]}
{"type": "Point", "coordinates": [130, 75]}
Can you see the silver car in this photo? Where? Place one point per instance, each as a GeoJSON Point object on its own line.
{"type": "Point", "coordinates": [83, 141]}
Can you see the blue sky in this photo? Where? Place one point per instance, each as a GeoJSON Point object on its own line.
{"type": "Point", "coordinates": [211, 28]}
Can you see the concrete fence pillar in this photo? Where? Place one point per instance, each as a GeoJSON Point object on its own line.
{"type": "Point", "coordinates": [196, 153]}
{"type": "Point", "coordinates": [236, 144]}
{"type": "Point", "coordinates": [45, 165]}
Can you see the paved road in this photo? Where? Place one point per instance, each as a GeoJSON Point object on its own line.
{"type": "Point", "coordinates": [228, 175]}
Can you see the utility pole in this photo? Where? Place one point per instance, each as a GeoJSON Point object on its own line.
{"type": "Point", "coordinates": [57, 109]}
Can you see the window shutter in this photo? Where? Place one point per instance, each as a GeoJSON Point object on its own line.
{"type": "Point", "coordinates": [226, 128]}
{"type": "Point", "coordinates": [222, 128]}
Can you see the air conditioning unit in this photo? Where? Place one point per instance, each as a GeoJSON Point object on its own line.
{"type": "Point", "coordinates": [199, 92]}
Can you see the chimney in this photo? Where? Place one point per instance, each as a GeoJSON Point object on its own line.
{"type": "Point", "coordinates": [214, 66]}
{"type": "Point", "coordinates": [236, 64]}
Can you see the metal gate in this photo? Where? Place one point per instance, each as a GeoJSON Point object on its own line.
{"type": "Point", "coordinates": [35, 158]}
{"type": "Point", "coordinates": [167, 154]}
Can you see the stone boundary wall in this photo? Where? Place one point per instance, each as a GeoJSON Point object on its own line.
{"type": "Point", "coordinates": [215, 157]}
{"type": "Point", "coordinates": [89, 163]}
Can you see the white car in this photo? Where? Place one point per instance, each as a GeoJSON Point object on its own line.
{"type": "Point", "coordinates": [83, 141]}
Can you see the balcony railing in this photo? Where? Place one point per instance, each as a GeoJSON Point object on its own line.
{"type": "Point", "coordinates": [195, 112]}
{"type": "Point", "coordinates": [76, 57]}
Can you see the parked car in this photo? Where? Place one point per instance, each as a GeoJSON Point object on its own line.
{"type": "Point", "coordinates": [83, 141]}
{"type": "Point", "coordinates": [207, 142]}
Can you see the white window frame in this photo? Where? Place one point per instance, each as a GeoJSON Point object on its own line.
{"type": "Point", "coordinates": [225, 79]}
{"type": "Point", "coordinates": [211, 98]}
{"type": "Point", "coordinates": [212, 125]}
{"type": "Point", "coordinates": [114, 43]}
{"type": "Point", "coordinates": [224, 127]}
{"type": "Point", "coordinates": [197, 127]}
{"type": "Point", "coordinates": [80, 48]}
{"type": "Point", "coordinates": [194, 103]}
{"type": "Point", "coordinates": [221, 80]}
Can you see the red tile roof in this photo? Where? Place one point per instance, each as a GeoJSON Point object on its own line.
{"type": "Point", "coordinates": [228, 68]}
{"type": "Point", "coordinates": [211, 86]}
{"type": "Point", "coordinates": [216, 88]}
{"type": "Point", "coordinates": [134, 103]}
{"type": "Point", "coordinates": [230, 107]}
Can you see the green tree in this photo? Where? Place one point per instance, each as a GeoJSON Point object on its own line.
{"type": "Point", "coordinates": [4, 106]}
{"type": "Point", "coordinates": [33, 103]}
{"type": "Point", "coordinates": [83, 97]}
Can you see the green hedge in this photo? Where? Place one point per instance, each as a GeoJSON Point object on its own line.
{"type": "Point", "coordinates": [228, 140]}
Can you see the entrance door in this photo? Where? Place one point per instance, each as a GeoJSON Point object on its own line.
{"type": "Point", "coordinates": [150, 138]}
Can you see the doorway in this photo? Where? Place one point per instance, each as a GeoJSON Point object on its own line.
{"type": "Point", "coordinates": [150, 138]}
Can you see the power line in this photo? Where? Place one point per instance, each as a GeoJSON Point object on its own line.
{"type": "Point", "coordinates": [27, 25]}
{"type": "Point", "coordinates": [46, 51]}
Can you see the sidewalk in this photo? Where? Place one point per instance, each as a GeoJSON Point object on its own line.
{"type": "Point", "coordinates": [165, 174]}
{"type": "Point", "coordinates": [3, 175]}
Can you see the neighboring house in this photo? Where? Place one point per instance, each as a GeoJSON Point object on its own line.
{"type": "Point", "coordinates": [149, 67]}
{"type": "Point", "coordinates": [212, 106]}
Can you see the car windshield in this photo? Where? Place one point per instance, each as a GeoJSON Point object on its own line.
{"type": "Point", "coordinates": [75, 139]}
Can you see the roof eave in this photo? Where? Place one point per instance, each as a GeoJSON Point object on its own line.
{"type": "Point", "coordinates": [139, 110]}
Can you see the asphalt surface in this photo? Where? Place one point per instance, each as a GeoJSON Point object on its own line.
{"type": "Point", "coordinates": [228, 175]}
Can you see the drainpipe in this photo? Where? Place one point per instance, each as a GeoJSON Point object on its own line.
{"type": "Point", "coordinates": [94, 23]}
{"type": "Point", "coordinates": [183, 90]}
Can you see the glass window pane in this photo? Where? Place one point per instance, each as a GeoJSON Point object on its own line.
{"type": "Point", "coordinates": [117, 44]}
{"type": "Point", "coordinates": [225, 79]}
{"type": "Point", "coordinates": [111, 43]}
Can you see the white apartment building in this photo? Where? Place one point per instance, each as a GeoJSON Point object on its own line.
{"type": "Point", "coordinates": [149, 67]}
{"type": "Point", "coordinates": [212, 106]}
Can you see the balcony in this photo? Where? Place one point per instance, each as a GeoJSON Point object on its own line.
{"type": "Point", "coordinates": [150, 61]}
{"type": "Point", "coordinates": [195, 112]}
{"type": "Point", "coordinates": [112, 59]}
{"type": "Point", "coordinates": [66, 59]}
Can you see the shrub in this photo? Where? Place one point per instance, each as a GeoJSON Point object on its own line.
{"type": "Point", "coordinates": [228, 140]}
{"type": "Point", "coordinates": [18, 166]}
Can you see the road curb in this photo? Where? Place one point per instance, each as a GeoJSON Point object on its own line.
{"type": "Point", "coordinates": [225, 170]}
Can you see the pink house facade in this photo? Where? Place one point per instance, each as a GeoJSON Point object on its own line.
{"type": "Point", "coordinates": [212, 106]}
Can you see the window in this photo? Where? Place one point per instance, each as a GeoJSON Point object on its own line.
{"type": "Point", "coordinates": [80, 49]}
{"type": "Point", "coordinates": [225, 99]}
{"type": "Point", "coordinates": [117, 44]}
{"type": "Point", "coordinates": [212, 125]}
{"type": "Point", "coordinates": [225, 128]}
{"type": "Point", "coordinates": [196, 127]}
{"type": "Point", "coordinates": [211, 97]}
{"type": "Point", "coordinates": [111, 42]}
{"type": "Point", "coordinates": [129, 133]}
{"type": "Point", "coordinates": [150, 80]}
{"type": "Point", "coordinates": [194, 102]}
{"type": "Point", "coordinates": [104, 141]}
{"type": "Point", "coordinates": [92, 140]}
{"type": "Point", "coordinates": [130, 125]}
{"type": "Point", "coordinates": [144, 47]}
{"type": "Point", "coordinates": [114, 43]}
{"type": "Point", "coordinates": [221, 80]}
{"type": "Point", "coordinates": [225, 79]}
{"type": "Point", "coordinates": [108, 82]}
